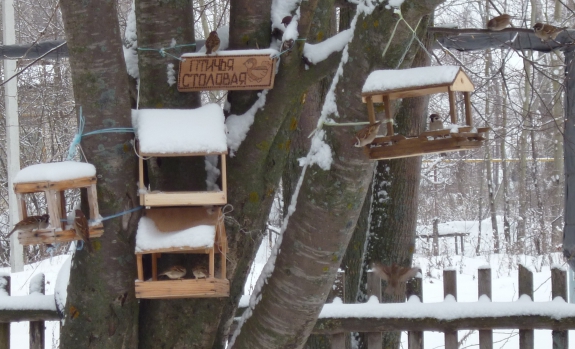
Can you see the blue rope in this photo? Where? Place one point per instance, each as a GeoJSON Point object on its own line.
{"type": "Point", "coordinates": [137, 208]}
{"type": "Point", "coordinates": [162, 51]}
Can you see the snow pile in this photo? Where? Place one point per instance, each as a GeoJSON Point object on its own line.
{"type": "Point", "coordinates": [181, 131]}
{"type": "Point", "coordinates": [316, 53]}
{"type": "Point", "coordinates": [171, 74]}
{"type": "Point", "coordinates": [61, 287]}
{"type": "Point", "coordinates": [212, 173]}
{"type": "Point", "coordinates": [385, 80]}
{"type": "Point", "coordinates": [131, 45]}
{"type": "Point", "coordinates": [149, 237]}
{"type": "Point", "coordinates": [55, 171]}
{"type": "Point", "coordinates": [239, 125]}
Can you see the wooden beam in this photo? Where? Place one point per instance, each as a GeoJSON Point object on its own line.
{"type": "Point", "coordinates": [154, 266]}
{"type": "Point", "coordinates": [450, 288]}
{"type": "Point", "coordinates": [5, 281]}
{"type": "Point", "coordinates": [484, 289]}
{"type": "Point", "coordinates": [525, 276]}
{"type": "Point", "coordinates": [370, 110]}
{"type": "Point", "coordinates": [49, 236]}
{"type": "Point", "coordinates": [415, 288]}
{"type": "Point", "coordinates": [452, 107]}
{"type": "Point", "coordinates": [184, 198]}
{"type": "Point", "coordinates": [468, 115]}
{"type": "Point", "coordinates": [388, 115]}
{"type": "Point", "coordinates": [374, 339]}
{"type": "Point", "coordinates": [140, 267]}
{"type": "Point", "coordinates": [416, 147]}
{"type": "Point", "coordinates": [187, 288]}
{"type": "Point", "coordinates": [37, 328]}
{"type": "Point", "coordinates": [93, 202]}
{"type": "Point", "coordinates": [559, 289]}
{"type": "Point", "coordinates": [37, 187]}
{"type": "Point", "coordinates": [224, 176]}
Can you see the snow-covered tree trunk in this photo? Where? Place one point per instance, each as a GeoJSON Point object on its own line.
{"type": "Point", "coordinates": [101, 310]}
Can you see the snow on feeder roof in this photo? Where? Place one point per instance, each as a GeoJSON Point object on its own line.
{"type": "Point", "coordinates": [55, 172]}
{"type": "Point", "coordinates": [181, 131]}
{"type": "Point", "coordinates": [150, 238]}
{"type": "Point", "coordinates": [415, 82]}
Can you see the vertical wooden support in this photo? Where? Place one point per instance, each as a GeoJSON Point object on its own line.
{"type": "Point", "coordinates": [212, 259]}
{"type": "Point", "coordinates": [93, 202]}
{"type": "Point", "coordinates": [4, 327]}
{"type": "Point", "coordinates": [337, 341]}
{"type": "Point", "coordinates": [484, 289]}
{"type": "Point", "coordinates": [415, 288]}
{"type": "Point", "coordinates": [52, 208]}
{"type": "Point", "coordinates": [223, 245]}
{"type": "Point", "coordinates": [456, 246]}
{"type": "Point", "coordinates": [559, 289]}
{"type": "Point", "coordinates": [467, 101]}
{"type": "Point", "coordinates": [37, 328]}
{"type": "Point", "coordinates": [22, 210]}
{"type": "Point", "coordinates": [462, 248]}
{"type": "Point", "coordinates": [370, 110]}
{"type": "Point", "coordinates": [452, 108]}
{"type": "Point", "coordinates": [141, 183]}
{"type": "Point", "coordinates": [526, 337]}
{"type": "Point", "coordinates": [61, 197]}
{"type": "Point", "coordinates": [154, 267]}
{"type": "Point", "coordinates": [450, 287]}
{"type": "Point", "coordinates": [388, 115]}
{"type": "Point", "coordinates": [374, 340]}
{"type": "Point", "coordinates": [140, 267]}
{"type": "Point", "coordinates": [224, 177]}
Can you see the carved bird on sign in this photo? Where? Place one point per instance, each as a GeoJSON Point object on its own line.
{"type": "Point", "coordinates": [174, 272]}
{"type": "Point", "coordinates": [82, 229]}
{"type": "Point", "coordinates": [31, 223]}
{"type": "Point", "coordinates": [499, 23]}
{"type": "Point", "coordinates": [366, 135]}
{"type": "Point", "coordinates": [395, 276]}
{"type": "Point", "coordinates": [547, 31]}
{"type": "Point", "coordinates": [435, 122]}
{"type": "Point", "coordinates": [256, 72]}
{"type": "Point", "coordinates": [212, 43]}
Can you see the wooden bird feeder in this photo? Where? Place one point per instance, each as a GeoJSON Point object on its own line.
{"type": "Point", "coordinates": [187, 230]}
{"type": "Point", "coordinates": [53, 179]}
{"type": "Point", "coordinates": [384, 86]}
{"type": "Point", "coordinates": [175, 133]}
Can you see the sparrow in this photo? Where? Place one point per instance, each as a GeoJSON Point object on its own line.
{"type": "Point", "coordinates": [200, 272]}
{"type": "Point", "coordinates": [366, 135]}
{"type": "Point", "coordinates": [83, 229]}
{"type": "Point", "coordinates": [212, 43]}
{"type": "Point", "coordinates": [499, 23]}
{"type": "Point", "coordinates": [547, 31]}
{"type": "Point", "coordinates": [31, 223]}
{"type": "Point", "coordinates": [174, 272]}
{"type": "Point", "coordinates": [435, 122]}
{"type": "Point", "coordinates": [395, 276]}
{"type": "Point", "coordinates": [286, 21]}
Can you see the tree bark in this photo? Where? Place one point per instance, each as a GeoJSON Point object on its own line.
{"type": "Point", "coordinates": [92, 318]}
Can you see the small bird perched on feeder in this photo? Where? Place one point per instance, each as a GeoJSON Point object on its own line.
{"type": "Point", "coordinates": [547, 31]}
{"type": "Point", "coordinates": [200, 272]}
{"type": "Point", "coordinates": [174, 272]}
{"type": "Point", "coordinates": [366, 135]}
{"type": "Point", "coordinates": [83, 229]}
{"type": "Point", "coordinates": [212, 43]}
{"type": "Point", "coordinates": [395, 276]}
{"type": "Point", "coordinates": [499, 23]}
{"type": "Point", "coordinates": [31, 223]}
{"type": "Point", "coordinates": [435, 122]}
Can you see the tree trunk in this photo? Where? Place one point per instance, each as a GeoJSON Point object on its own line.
{"type": "Point", "coordinates": [93, 319]}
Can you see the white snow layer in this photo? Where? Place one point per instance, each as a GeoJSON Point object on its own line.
{"type": "Point", "coordinates": [131, 44]}
{"type": "Point", "coordinates": [200, 130]}
{"type": "Point", "coordinates": [55, 171]}
{"type": "Point", "coordinates": [316, 53]}
{"type": "Point", "coordinates": [149, 237]}
{"type": "Point", "coordinates": [61, 287]}
{"type": "Point", "coordinates": [384, 80]}
{"type": "Point", "coordinates": [239, 125]}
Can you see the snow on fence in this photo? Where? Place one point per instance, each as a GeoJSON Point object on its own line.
{"type": "Point", "coordinates": [35, 307]}
{"type": "Point", "coordinates": [337, 319]}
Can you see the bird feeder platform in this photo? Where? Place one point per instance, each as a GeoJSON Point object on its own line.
{"type": "Point", "coordinates": [178, 133]}
{"type": "Point", "coordinates": [53, 179]}
{"type": "Point", "coordinates": [182, 230]}
{"type": "Point", "coordinates": [384, 86]}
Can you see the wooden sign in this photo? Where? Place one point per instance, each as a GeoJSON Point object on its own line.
{"type": "Point", "coordinates": [200, 72]}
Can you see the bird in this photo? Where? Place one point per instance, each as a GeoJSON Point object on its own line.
{"type": "Point", "coordinates": [286, 20]}
{"type": "Point", "coordinates": [212, 43]}
{"type": "Point", "coordinates": [499, 23]}
{"type": "Point", "coordinates": [83, 229]}
{"type": "Point", "coordinates": [200, 272]}
{"type": "Point", "coordinates": [30, 223]}
{"type": "Point", "coordinates": [547, 31]}
{"type": "Point", "coordinates": [174, 272]}
{"type": "Point", "coordinates": [395, 276]}
{"type": "Point", "coordinates": [256, 72]}
{"type": "Point", "coordinates": [435, 122]}
{"type": "Point", "coordinates": [366, 135]}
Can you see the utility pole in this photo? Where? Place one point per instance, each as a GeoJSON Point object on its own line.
{"type": "Point", "coordinates": [12, 132]}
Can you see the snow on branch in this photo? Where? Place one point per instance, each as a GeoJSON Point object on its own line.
{"type": "Point", "coordinates": [315, 53]}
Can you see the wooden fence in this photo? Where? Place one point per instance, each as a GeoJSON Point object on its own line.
{"type": "Point", "coordinates": [523, 315]}
{"type": "Point", "coordinates": [36, 308]}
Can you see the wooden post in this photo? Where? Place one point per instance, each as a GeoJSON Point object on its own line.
{"type": "Point", "coordinates": [462, 248]}
{"type": "Point", "coordinates": [37, 328]}
{"type": "Point", "coordinates": [93, 202]}
{"type": "Point", "coordinates": [388, 115]}
{"type": "Point", "coordinates": [4, 327]}
{"type": "Point", "coordinates": [467, 101]}
{"type": "Point", "coordinates": [484, 289]}
{"type": "Point", "coordinates": [53, 208]}
{"type": "Point", "coordinates": [370, 110]}
{"type": "Point", "coordinates": [526, 338]}
{"type": "Point", "coordinates": [154, 267]}
{"type": "Point", "coordinates": [559, 289]}
{"type": "Point", "coordinates": [61, 197]}
{"type": "Point", "coordinates": [211, 260]}
{"type": "Point", "coordinates": [141, 184]}
{"type": "Point", "coordinates": [374, 340]}
{"type": "Point", "coordinates": [140, 267]}
{"type": "Point", "coordinates": [456, 247]}
{"type": "Point", "coordinates": [224, 176]}
{"type": "Point", "coordinates": [415, 288]}
{"type": "Point", "coordinates": [452, 108]}
{"type": "Point", "coordinates": [450, 288]}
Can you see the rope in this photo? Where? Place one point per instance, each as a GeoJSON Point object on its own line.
{"type": "Point", "coordinates": [162, 51]}
{"type": "Point", "coordinates": [137, 208]}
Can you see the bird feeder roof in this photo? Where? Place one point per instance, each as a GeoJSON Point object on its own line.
{"type": "Point", "coordinates": [55, 172]}
{"type": "Point", "coordinates": [150, 238]}
{"type": "Point", "coordinates": [180, 132]}
{"type": "Point", "coordinates": [415, 82]}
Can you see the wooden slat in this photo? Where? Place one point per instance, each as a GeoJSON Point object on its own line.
{"type": "Point", "coordinates": [224, 175]}
{"type": "Point", "coordinates": [169, 219]}
{"type": "Point", "coordinates": [211, 266]}
{"type": "Point", "coordinates": [371, 110]}
{"type": "Point", "coordinates": [468, 116]}
{"type": "Point", "coordinates": [49, 236]}
{"type": "Point", "coordinates": [36, 187]}
{"type": "Point", "coordinates": [141, 184]}
{"type": "Point", "coordinates": [387, 139]}
{"type": "Point", "coordinates": [484, 288]}
{"type": "Point", "coordinates": [450, 288]}
{"type": "Point", "coordinates": [377, 96]}
{"type": "Point", "coordinates": [559, 289]}
{"type": "Point", "coordinates": [184, 198]}
{"type": "Point", "coordinates": [187, 288]}
{"type": "Point", "coordinates": [61, 199]}
{"type": "Point", "coordinates": [22, 210]}
{"type": "Point", "coordinates": [53, 209]}
{"type": "Point", "coordinates": [93, 202]}
{"type": "Point", "coordinates": [526, 337]}
{"type": "Point", "coordinates": [37, 328]}
{"type": "Point", "coordinates": [140, 264]}
{"type": "Point", "coordinates": [452, 107]}
{"type": "Point", "coordinates": [416, 147]}
{"type": "Point", "coordinates": [180, 249]}
{"type": "Point", "coordinates": [155, 266]}
{"type": "Point", "coordinates": [388, 115]}
{"type": "Point", "coordinates": [415, 288]}
{"type": "Point", "coordinates": [170, 155]}
{"type": "Point", "coordinates": [223, 248]}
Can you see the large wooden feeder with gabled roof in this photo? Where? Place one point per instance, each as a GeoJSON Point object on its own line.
{"type": "Point", "coordinates": [53, 179]}
{"type": "Point", "coordinates": [182, 230]}
{"type": "Point", "coordinates": [384, 86]}
{"type": "Point", "coordinates": [178, 133]}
